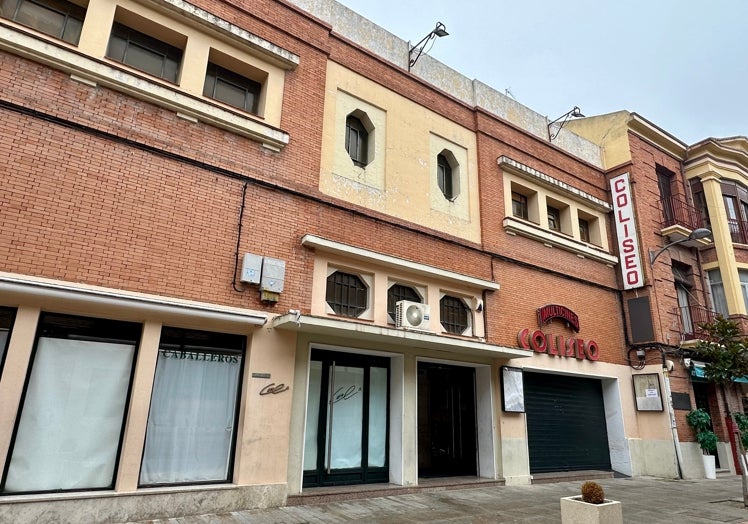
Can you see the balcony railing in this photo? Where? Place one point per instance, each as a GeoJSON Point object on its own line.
{"type": "Point", "coordinates": [679, 213]}
{"type": "Point", "coordinates": [738, 231]}
{"type": "Point", "coordinates": [690, 318]}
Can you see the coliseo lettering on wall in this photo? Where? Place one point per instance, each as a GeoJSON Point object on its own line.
{"type": "Point", "coordinates": [558, 345]}
{"type": "Point", "coordinates": [628, 241]}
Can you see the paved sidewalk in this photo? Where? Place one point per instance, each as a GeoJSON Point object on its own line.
{"type": "Point", "coordinates": [645, 500]}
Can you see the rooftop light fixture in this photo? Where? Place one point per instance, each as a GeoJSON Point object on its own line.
{"type": "Point", "coordinates": [440, 30]}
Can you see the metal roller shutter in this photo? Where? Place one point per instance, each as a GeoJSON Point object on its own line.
{"type": "Point", "coordinates": [565, 423]}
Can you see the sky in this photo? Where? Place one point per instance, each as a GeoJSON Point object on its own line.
{"type": "Point", "coordinates": [682, 65]}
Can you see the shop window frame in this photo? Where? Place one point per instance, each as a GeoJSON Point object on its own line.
{"type": "Point", "coordinates": [72, 327]}
{"type": "Point", "coordinates": [176, 340]}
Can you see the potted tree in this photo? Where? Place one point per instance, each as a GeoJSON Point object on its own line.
{"type": "Point", "coordinates": [591, 507]}
{"type": "Point", "coordinates": [700, 421]}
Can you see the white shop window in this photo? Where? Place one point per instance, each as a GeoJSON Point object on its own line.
{"type": "Point", "coordinates": [71, 421]}
{"type": "Point", "coordinates": [192, 419]}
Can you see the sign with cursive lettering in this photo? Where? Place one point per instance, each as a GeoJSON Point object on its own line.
{"type": "Point", "coordinates": [274, 389]}
{"type": "Point", "coordinates": [344, 393]}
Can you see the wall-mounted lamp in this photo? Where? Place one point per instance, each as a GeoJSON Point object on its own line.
{"type": "Point", "coordinates": [440, 30]}
{"type": "Point", "coordinates": [696, 234]}
{"type": "Point", "coordinates": [574, 113]}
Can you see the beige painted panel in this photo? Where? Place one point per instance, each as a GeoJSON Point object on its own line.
{"type": "Point", "coordinates": [401, 178]}
{"type": "Point", "coordinates": [17, 359]}
{"type": "Point", "coordinates": [263, 437]}
{"type": "Point", "coordinates": [379, 280]}
{"type": "Point", "coordinates": [137, 418]}
{"type": "Point", "coordinates": [94, 41]}
{"type": "Point", "coordinates": [569, 210]}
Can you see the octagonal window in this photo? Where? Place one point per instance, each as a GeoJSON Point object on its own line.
{"type": "Point", "coordinates": [346, 294]}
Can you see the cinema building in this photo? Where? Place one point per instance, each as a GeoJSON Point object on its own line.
{"type": "Point", "coordinates": [250, 252]}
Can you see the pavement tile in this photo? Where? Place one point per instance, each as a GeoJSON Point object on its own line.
{"type": "Point", "coordinates": [645, 500]}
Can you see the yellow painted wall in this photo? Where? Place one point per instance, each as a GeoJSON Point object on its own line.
{"type": "Point", "coordinates": [400, 179]}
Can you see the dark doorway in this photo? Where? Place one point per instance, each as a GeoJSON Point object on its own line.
{"type": "Point", "coordinates": [446, 421]}
{"type": "Point", "coordinates": [701, 393]}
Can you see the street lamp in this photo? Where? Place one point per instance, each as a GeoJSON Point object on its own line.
{"type": "Point", "coordinates": [696, 234]}
{"type": "Point", "coordinates": [574, 113]}
{"type": "Point", "coordinates": [440, 30]}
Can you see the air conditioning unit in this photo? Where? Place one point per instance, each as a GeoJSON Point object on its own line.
{"type": "Point", "coordinates": [412, 315]}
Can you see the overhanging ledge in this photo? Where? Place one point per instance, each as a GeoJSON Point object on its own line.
{"type": "Point", "coordinates": [22, 289]}
{"type": "Point", "coordinates": [393, 337]}
{"type": "Point", "coordinates": [330, 246]}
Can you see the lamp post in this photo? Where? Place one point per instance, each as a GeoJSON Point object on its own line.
{"type": "Point", "coordinates": [440, 30]}
{"type": "Point", "coordinates": [574, 113]}
{"type": "Point", "coordinates": [696, 234]}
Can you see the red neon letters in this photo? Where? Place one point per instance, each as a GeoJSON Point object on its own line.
{"type": "Point", "coordinates": [540, 342]}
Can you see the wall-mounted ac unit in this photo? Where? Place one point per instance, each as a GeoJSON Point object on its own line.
{"type": "Point", "coordinates": [412, 315]}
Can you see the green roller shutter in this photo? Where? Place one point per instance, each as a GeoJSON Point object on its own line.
{"type": "Point", "coordinates": [565, 423]}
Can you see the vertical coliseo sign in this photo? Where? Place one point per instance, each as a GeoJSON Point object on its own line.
{"type": "Point", "coordinates": [628, 241]}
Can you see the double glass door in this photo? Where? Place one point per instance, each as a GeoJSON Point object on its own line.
{"type": "Point", "coordinates": [347, 419]}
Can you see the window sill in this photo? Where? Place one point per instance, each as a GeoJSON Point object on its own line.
{"type": "Point", "coordinates": [525, 229]}
{"type": "Point", "coordinates": [119, 79]}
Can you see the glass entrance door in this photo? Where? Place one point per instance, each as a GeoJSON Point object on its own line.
{"type": "Point", "coordinates": [347, 419]}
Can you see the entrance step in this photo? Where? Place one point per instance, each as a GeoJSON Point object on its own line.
{"type": "Point", "coordinates": [324, 495]}
{"type": "Point", "coordinates": [565, 476]}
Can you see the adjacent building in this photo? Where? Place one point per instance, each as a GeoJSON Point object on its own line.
{"type": "Point", "coordinates": [248, 251]}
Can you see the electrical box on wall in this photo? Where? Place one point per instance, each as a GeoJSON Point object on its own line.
{"type": "Point", "coordinates": [251, 269]}
{"type": "Point", "coordinates": [273, 275]}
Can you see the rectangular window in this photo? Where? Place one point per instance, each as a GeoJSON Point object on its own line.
{"type": "Point", "coordinates": [719, 300]}
{"type": "Point", "coordinates": [231, 88]}
{"type": "Point", "coordinates": [744, 285]}
{"type": "Point", "coordinates": [665, 179]}
{"type": "Point", "coordinates": [72, 417]}
{"type": "Point", "coordinates": [584, 230]}
{"type": "Point", "coordinates": [192, 420]}
{"type": "Point", "coordinates": [554, 219]}
{"type": "Point", "coordinates": [144, 52]}
{"type": "Point", "coordinates": [519, 205]}
{"type": "Point", "coordinates": [57, 18]}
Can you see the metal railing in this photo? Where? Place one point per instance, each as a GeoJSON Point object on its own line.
{"type": "Point", "coordinates": [678, 212]}
{"type": "Point", "coordinates": [690, 318]}
{"type": "Point", "coordinates": [738, 230]}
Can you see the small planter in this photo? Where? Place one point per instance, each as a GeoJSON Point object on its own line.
{"type": "Point", "coordinates": [710, 468]}
{"type": "Point", "coordinates": [576, 511]}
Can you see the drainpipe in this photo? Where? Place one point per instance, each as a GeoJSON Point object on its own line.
{"type": "Point", "coordinates": [671, 413]}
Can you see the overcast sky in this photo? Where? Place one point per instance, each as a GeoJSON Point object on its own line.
{"type": "Point", "coordinates": [681, 64]}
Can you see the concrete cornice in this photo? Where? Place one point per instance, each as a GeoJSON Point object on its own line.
{"type": "Point", "coordinates": [645, 129]}
{"type": "Point", "coordinates": [730, 154]}
{"type": "Point", "coordinates": [330, 246]}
